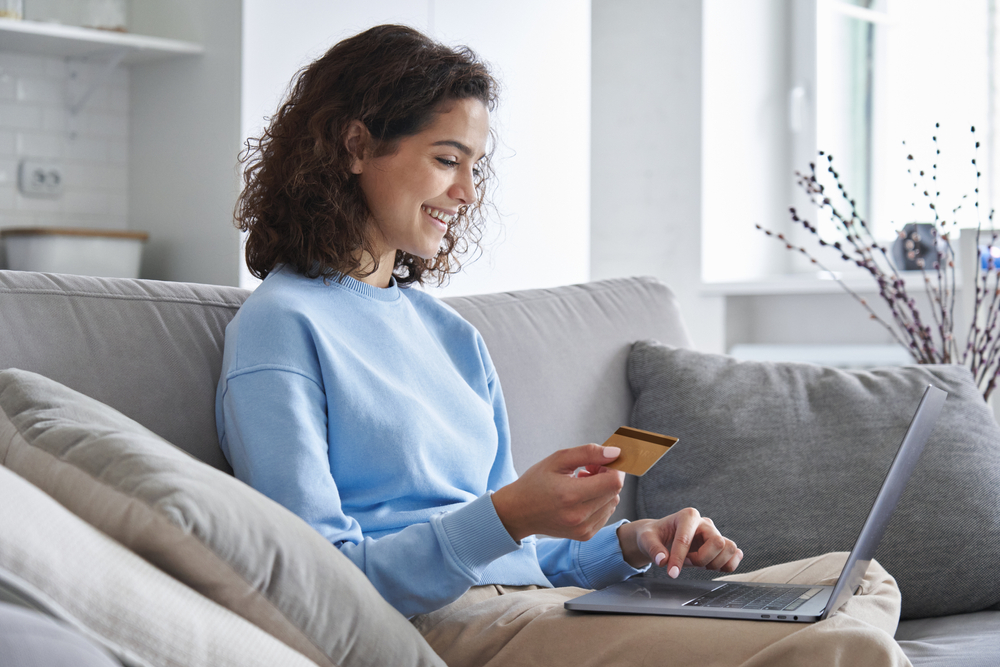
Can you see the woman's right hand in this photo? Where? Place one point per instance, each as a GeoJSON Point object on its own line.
{"type": "Point", "coordinates": [549, 500]}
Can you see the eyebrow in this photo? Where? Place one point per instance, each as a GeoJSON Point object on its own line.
{"type": "Point", "coordinates": [455, 144]}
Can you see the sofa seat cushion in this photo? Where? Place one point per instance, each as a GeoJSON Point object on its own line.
{"type": "Point", "coordinates": [200, 525]}
{"type": "Point", "coordinates": [787, 459]}
{"type": "Point", "coordinates": [969, 640]}
{"type": "Point", "coordinates": [52, 561]}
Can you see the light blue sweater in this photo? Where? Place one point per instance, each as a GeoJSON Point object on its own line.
{"type": "Point", "coordinates": [376, 415]}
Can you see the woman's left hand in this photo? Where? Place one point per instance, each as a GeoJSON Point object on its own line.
{"type": "Point", "coordinates": [693, 540]}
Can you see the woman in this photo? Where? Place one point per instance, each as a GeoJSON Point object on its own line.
{"type": "Point", "coordinates": [373, 411]}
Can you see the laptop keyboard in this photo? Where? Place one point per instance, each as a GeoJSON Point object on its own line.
{"type": "Point", "coordinates": [738, 596]}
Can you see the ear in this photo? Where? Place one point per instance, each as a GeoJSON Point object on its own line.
{"type": "Point", "coordinates": [356, 141]}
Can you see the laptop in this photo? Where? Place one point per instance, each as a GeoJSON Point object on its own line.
{"type": "Point", "coordinates": [777, 602]}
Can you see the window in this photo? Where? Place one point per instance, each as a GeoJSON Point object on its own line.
{"type": "Point", "coordinates": [895, 71]}
{"type": "Point", "coordinates": [782, 80]}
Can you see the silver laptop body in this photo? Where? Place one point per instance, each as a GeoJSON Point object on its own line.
{"type": "Point", "coordinates": [795, 603]}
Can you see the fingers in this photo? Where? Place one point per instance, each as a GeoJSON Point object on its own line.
{"type": "Point", "coordinates": [650, 544]}
{"type": "Point", "coordinates": [687, 522]}
{"type": "Point", "coordinates": [599, 518]}
{"type": "Point", "coordinates": [549, 499]}
{"type": "Point", "coordinates": [694, 540]}
{"type": "Point", "coordinates": [588, 487]}
{"type": "Point", "coordinates": [568, 460]}
{"type": "Point", "coordinates": [595, 469]}
{"type": "Point", "coordinates": [582, 521]}
{"type": "Point", "coordinates": [712, 550]}
{"type": "Point", "coordinates": [725, 562]}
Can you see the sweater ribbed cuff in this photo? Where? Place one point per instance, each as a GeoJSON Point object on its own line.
{"type": "Point", "coordinates": [475, 535]}
{"type": "Point", "coordinates": [601, 561]}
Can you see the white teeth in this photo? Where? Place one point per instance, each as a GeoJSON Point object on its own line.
{"type": "Point", "coordinates": [440, 215]}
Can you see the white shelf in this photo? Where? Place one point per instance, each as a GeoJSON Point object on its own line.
{"type": "Point", "coordinates": [838, 356]}
{"type": "Point", "coordinates": [54, 39]}
{"type": "Point", "coordinates": [803, 283]}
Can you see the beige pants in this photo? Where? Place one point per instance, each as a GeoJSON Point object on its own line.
{"type": "Point", "coordinates": [504, 626]}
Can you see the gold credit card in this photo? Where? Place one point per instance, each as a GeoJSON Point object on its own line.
{"type": "Point", "coordinates": [640, 449]}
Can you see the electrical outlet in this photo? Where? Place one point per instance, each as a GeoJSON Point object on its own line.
{"type": "Point", "coordinates": [37, 178]}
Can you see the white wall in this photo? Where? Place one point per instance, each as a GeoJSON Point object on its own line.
{"type": "Point", "coordinates": [747, 169]}
{"type": "Point", "coordinates": [185, 138]}
{"type": "Point", "coordinates": [280, 38]}
{"type": "Point", "coordinates": [647, 139]}
{"type": "Point", "coordinates": [541, 51]}
{"type": "Point", "coordinates": [90, 146]}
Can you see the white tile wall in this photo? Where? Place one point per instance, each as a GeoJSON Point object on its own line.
{"type": "Point", "coordinates": [91, 146]}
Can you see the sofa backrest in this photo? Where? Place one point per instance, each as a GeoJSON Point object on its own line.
{"type": "Point", "coordinates": [153, 351]}
{"type": "Point", "coordinates": [561, 357]}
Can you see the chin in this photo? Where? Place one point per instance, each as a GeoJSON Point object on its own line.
{"type": "Point", "coordinates": [427, 253]}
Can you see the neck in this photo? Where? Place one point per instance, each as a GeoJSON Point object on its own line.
{"type": "Point", "coordinates": [382, 275]}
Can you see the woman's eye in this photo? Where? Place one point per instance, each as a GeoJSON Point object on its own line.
{"type": "Point", "coordinates": [477, 172]}
{"type": "Point", "coordinates": [446, 162]}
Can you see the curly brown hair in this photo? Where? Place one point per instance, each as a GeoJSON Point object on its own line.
{"type": "Point", "coordinates": [301, 204]}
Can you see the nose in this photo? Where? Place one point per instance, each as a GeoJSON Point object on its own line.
{"type": "Point", "coordinates": [464, 187]}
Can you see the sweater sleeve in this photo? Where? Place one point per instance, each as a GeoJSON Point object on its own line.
{"type": "Point", "coordinates": [273, 426]}
{"type": "Point", "coordinates": [596, 563]}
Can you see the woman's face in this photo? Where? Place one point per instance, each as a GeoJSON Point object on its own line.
{"type": "Point", "coordinates": [415, 192]}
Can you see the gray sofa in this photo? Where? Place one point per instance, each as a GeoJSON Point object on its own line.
{"type": "Point", "coordinates": [152, 350]}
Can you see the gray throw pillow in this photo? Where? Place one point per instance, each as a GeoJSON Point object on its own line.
{"type": "Point", "coordinates": [787, 458]}
{"type": "Point", "coordinates": [201, 526]}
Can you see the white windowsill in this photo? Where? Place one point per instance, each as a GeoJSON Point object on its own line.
{"type": "Point", "coordinates": [812, 283]}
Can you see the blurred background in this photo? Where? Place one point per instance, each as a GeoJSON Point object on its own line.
{"type": "Point", "coordinates": [637, 137]}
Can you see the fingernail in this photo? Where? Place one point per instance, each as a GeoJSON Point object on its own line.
{"type": "Point", "coordinates": [612, 452]}
{"type": "Point", "coordinates": [660, 558]}
{"type": "Point", "coordinates": [673, 572]}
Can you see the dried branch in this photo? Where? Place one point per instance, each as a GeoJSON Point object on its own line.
{"type": "Point", "coordinates": [927, 343]}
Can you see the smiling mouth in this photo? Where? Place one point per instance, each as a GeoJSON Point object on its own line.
{"type": "Point", "coordinates": [438, 214]}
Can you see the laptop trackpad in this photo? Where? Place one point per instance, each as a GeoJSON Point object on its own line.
{"type": "Point", "coordinates": [674, 591]}
{"type": "Point", "coordinates": [642, 596]}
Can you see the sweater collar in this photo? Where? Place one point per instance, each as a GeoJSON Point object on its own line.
{"type": "Point", "coordinates": [390, 293]}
